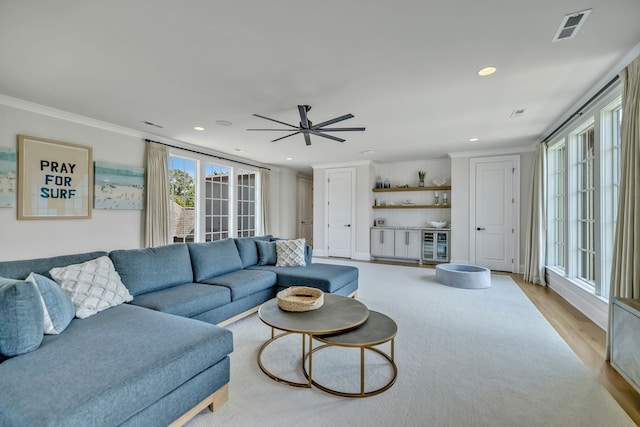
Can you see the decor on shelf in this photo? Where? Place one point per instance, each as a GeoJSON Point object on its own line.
{"type": "Point", "coordinates": [300, 298]}
{"type": "Point", "coordinates": [445, 200]}
{"type": "Point", "coordinates": [421, 175]}
{"type": "Point", "coordinates": [55, 180]}
{"type": "Point", "coordinates": [387, 183]}
{"type": "Point", "coordinates": [438, 224]}
{"type": "Point", "coordinates": [378, 181]}
{"type": "Point", "coordinates": [439, 182]}
{"type": "Point", "coordinates": [379, 222]}
{"type": "Point", "coordinates": [436, 199]}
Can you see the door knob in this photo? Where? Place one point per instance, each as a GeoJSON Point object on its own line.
{"type": "Point", "coordinates": [348, 225]}
{"type": "Point", "coordinates": [480, 228]}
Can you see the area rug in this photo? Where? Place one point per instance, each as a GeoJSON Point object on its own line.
{"type": "Point", "coordinates": [465, 357]}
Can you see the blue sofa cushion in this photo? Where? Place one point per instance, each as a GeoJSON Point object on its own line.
{"type": "Point", "coordinates": [211, 259]}
{"type": "Point", "coordinates": [188, 300]}
{"type": "Point", "coordinates": [267, 254]}
{"type": "Point", "coordinates": [326, 277]}
{"type": "Point", "coordinates": [151, 269]}
{"type": "Point", "coordinates": [123, 360]}
{"type": "Point", "coordinates": [22, 268]}
{"type": "Point", "coordinates": [243, 283]}
{"type": "Point", "coordinates": [21, 317]}
{"type": "Point", "coordinates": [247, 248]}
{"type": "Point", "coordinates": [58, 309]}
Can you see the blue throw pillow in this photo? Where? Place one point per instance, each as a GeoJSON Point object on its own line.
{"type": "Point", "coordinates": [21, 317]}
{"type": "Point", "coordinates": [267, 254]}
{"type": "Point", "coordinates": [56, 304]}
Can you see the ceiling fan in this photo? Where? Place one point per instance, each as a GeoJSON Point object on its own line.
{"type": "Point", "coordinates": [307, 128]}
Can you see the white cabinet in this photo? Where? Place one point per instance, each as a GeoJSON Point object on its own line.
{"type": "Point", "coordinates": [435, 245]}
{"type": "Point", "coordinates": [625, 339]}
{"type": "Point", "coordinates": [408, 244]}
{"type": "Point", "coordinates": [396, 243]}
{"type": "Point", "coordinates": [382, 242]}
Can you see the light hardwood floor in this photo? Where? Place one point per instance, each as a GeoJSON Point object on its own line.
{"type": "Point", "coordinates": [585, 338]}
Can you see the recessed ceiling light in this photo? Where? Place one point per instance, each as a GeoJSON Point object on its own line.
{"type": "Point", "coordinates": [240, 150]}
{"type": "Point", "coordinates": [368, 152]}
{"type": "Point", "coordinates": [198, 128]}
{"type": "Point", "coordinates": [289, 158]}
{"type": "Point", "coordinates": [487, 71]}
{"type": "Point", "coordinates": [473, 139]}
{"type": "Point", "coordinates": [223, 123]}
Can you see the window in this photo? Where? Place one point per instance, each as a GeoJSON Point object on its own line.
{"type": "Point", "coordinates": [583, 184]}
{"type": "Point", "coordinates": [211, 201]}
{"type": "Point", "coordinates": [182, 192]}
{"type": "Point", "coordinates": [556, 199]}
{"type": "Point", "coordinates": [216, 203]}
{"type": "Point", "coordinates": [246, 217]}
{"type": "Point", "coordinates": [585, 209]}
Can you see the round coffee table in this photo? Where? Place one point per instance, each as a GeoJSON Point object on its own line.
{"type": "Point", "coordinates": [337, 314]}
{"type": "Point", "coordinates": [377, 330]}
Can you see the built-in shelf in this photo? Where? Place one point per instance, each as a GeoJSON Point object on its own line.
{"type": "Point", "coordinates": [412, 207]}
{"type": "Point", "coordinates": [433, 188]}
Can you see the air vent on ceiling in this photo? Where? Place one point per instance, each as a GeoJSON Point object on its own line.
{"type": "Point", "coordinates": [151, 124]}
{"type": "Point", "coordinates": [517, 113]}
{"type": "Point", "coordinates": [570, 25]}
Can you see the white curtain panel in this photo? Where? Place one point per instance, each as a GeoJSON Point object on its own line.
{"type": "Point", "coordinates": [536, 246]}
{"type": "Point", "coordinates": [264, 200]}
{"type": "Point", "coordinates": [625, 270]}
{"type": "Point", "coordinates": [158, 213]}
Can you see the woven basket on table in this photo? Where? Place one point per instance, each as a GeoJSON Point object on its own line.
{"type": "Point", "coordinates": [300, 298]}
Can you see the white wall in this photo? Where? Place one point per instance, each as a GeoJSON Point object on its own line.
{"type": "Point", "coordinates": [106, 229]}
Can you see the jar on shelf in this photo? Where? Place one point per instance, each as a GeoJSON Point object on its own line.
{"type": "Point", "coordinates": [378, 182]}
{"type": "Point", "coordinates": [387, 183]}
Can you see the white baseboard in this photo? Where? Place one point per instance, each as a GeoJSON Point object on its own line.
{"type": "Point", "coordinates": [362, 256]}
{"type": "Point", "coordinates": [320, 252]}
{"type": "Point", "coordinates": [586, 302]}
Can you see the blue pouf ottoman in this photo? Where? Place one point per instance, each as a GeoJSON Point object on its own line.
{"type": "Point", "coordinates": [463, 276]}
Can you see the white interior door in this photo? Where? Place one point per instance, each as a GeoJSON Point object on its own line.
{"type": "Point", "coordinates": [340, 212]}
{"type": "Point", "coordinates": [494, 212]}
{"type": "Point", "coordinates": [305, 210]}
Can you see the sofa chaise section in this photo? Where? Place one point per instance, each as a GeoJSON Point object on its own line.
{"type": "Point", "coordinates": [107, 370]}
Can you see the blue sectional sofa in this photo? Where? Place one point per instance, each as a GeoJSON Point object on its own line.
{"type": "Point", "coordinates": [162, 357]}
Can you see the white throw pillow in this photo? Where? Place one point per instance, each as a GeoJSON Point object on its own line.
{"type": "Point", "coordinates": [93, 285]}
{"type": "Point", "coordinates": [290, 253]}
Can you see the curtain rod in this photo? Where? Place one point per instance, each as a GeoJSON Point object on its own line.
{"type": "Point", "coordinates": [206, 154]}
{"type": "Point", "coordinates": [579, 111]}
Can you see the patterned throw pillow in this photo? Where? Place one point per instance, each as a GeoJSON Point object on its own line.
{"type": "Point", "coordinates": [93, 285]}
{"type": "Point", "coordinates": [290, 253]}
{"type": "Point", "coordinates": [57, 305]}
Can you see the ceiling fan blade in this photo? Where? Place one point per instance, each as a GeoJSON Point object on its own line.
{"type": "Point", "coordinates": [335, 138]}
{"type": "Point", "coordinates": [286, 136]}
{"type": "Point", "coordinates": [329, 122]}
{"type": "Point", "coordinates": [304, 120]}
{"type": "Point", "coordinates": [339, 129]}
{"type": "Point", "coordinates": [307, 138]}
{"type": "Point", "coordinates": [277, 121]}
{"type": "Point", "coordinates": [278, 130]}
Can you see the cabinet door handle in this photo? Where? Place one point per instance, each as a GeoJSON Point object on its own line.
{"type": "Point", "coordinates": [480, 228]}
{"type": "Point", "coordinates": [406, 238]}
{"type": "Point", "coordinates": [381, 237]}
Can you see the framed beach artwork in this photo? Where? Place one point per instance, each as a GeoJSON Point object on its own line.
{"type": "Point", "coordinates": [55, 180]}
{"type": "Point", "coordinates": [118, 186]}
{"type": "Point", "coordinates": [8, 167]}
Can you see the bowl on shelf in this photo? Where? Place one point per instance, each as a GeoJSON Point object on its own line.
{"type": "Point", "coordinates": [437, 224]}
{"type": "Point", "coordinates": [439, 182]}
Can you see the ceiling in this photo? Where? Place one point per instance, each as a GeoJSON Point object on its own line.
{"type": "Point", "coordinates": [406, 69]}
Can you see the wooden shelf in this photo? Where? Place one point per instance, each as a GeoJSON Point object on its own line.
{"type": "Point", "coordinates": [413, 207]}
{"type": "Point", "coordinates": [432, 188]}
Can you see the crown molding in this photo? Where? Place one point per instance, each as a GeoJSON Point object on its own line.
{"type": "Point", "coordinates": [496, 152]}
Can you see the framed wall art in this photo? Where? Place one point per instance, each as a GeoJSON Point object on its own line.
{"type": "Point", "coordinates": [8, 167]}
{"type": "Point", "coordinates": [55, 179]}
{"type": "Point", "coordinates": [118, 186]}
